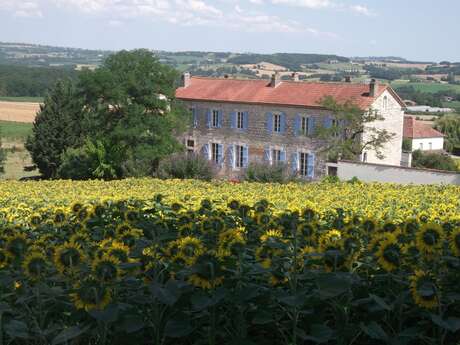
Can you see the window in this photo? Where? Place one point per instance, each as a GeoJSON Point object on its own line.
{"type": "Point", "coordinates": [277, 123]}
{"type": "Point", "coordinates": [430, 145]}
{"type": "Point", "coordinates": [239, 154]}
{"type": "Point", "coordinates": [215, 118]}
{"type": "Point", "coordinates": [240, 120]}
{"type": "Point", "coordinates": [365, 157]}
{"type": "Point", "coordinates": [303, 164]}
{"type": "Point", "coordinates": [304, 125]}
{"type": "Point", "coordinates": [335, 126]}
{"type": "Point", "coordinates": [276, 156]}
{"type": "Point", "coordinates": [190, 145]}
{"type": "Point", "coordinates": [421, 146]}
{"type": "Point", "coordinates": [385, 103]}
{"type": "Point", "coordinates": [216, 152]}
{"type": "Point", "coordinates": [194, 117]}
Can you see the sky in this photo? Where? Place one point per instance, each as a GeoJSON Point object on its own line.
{"type": "Point", "coordinates": [422, 30]}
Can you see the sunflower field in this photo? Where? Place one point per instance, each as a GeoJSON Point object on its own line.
{"type": "Point", "coordinates": [144, 261]}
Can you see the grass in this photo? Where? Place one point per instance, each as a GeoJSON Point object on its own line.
{"type": "Point", "coordinates": [22, 99]}
{"type": "Point", "coordinates": [13, 131]}
{"type": "Point", "coordinates": [17, 158]}
{"type": "Point", "coordinates": [426, 87]}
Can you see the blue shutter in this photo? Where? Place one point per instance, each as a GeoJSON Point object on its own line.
{"type": "Point", "coordinates": [220, 153]}
{"type": "Point", "coordinates": [311, 125]}
{"type": "Point", "coordinates": [208, 118]}
{"type": "Point", "coordinates": [195, 118]}
{"type": "Point", "coordinates": [220, 118]}
{"type": "Point", "coordinates": [267, 154]}
{"type": "Point", "coordinates": [295, 162]}
{"type": "Point", "coordinates": [205, 151]}
{"type": "Point", "coordinates": [245, 156]}
{"type": "Point", "coordinates": [231, 156]}
{"type": "Point", "coordinates": [327, 122]}
{"type": "Point", "coordinates": [283, 156]}
{"type": "Point", "coordinates": [297, 124]}
{"type": "Point", "coordinates": [233, 120]}
{"type": "Point", "coordinates": [269, 122]}
{"type": "Point", "coordinates": [311, 165]}
{"type": "Point", "coordinates": [283, 123]}
{"type": "Point", "coordinates": [245, 120]}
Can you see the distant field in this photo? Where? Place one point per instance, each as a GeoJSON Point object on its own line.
{"type": "Point", "coordinates": [426, 87]}
{"type": "Point", "coordinates": [455, 105]}
{"type": "Point", "coordinates": [18, 111]}
{"type": "Point", "coordinates": [14, 130]}
{"type": "Point", "coordinates": [22, 99]}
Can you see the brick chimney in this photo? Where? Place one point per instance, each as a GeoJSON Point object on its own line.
{"type": "Point", "coordinates": [186, 79]}
{"type": "Point", "coordinates": [347, 79]}
{"type": "Point", "coordinates": [275, 80]}
{"type": "Point", "coordinates": [373, 88]}
{"type": "Point", "coordinates": [295, 76]}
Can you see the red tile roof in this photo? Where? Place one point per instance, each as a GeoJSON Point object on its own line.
{"type": "Point", "coordinates": [304, 94]}
{"type": "Point", "coordinates": [414, 129]}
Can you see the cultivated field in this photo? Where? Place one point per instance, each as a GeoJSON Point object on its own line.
{"type": "Point", "coordinates": [18, 111]}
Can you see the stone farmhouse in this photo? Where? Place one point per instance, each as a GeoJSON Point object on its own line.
{"type": "Point", "coordinates": [236, 122]}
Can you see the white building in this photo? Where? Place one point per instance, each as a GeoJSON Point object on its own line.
{"type": "Point", "coordinates": [422, 136]}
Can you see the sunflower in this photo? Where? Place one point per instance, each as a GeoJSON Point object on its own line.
{"type": "Point", "coordinates": [123, 228]}
{"type": "Point", "coordinates": [34, 265]}
{"type": "Point", "coordinates": [190, 248]}
{"type": "Point", "coordinates": [389, 253]}
{"type": "Point", "coordinates": [83, 215]}
{"type": "Point", "coordinates": [272, 234]}
{"type": "Point", "coordinates": [275, 280]}
{"type": "Point", "coordinates": [131, 215]}
{"type": "Point", "coordinates": [76, 207]}
{"type": "Point", "coordinates": [91, 294]}
{"type": "Point", "coordinates": [208, 272]}
{"type": "Point", "coordinates": [59, 217]}
{"type": "Point", "coordinates": [329, 238]}
{"type": "Point", "coordinates": [454, 242]}
{"type": "Point", "coordinates": [374, 243]}
{"type": "Point", "coordinates": [369, 225]}
{"type": "Point", "coordinates": [80, 238]}
{"type": "Point", "coordinates": [98, 210]}
{"type": "Point", "coordinates": [130, 237]}
{"type": "Point", "coordinates": [430, 238]}
{"type": "Point", "coordinates": [16, 245]}
{"type": "Point", "coordinates": [308, 214]}
{"type": "Point", "coordinates": [106, 268]}
{"type": "Point", "coordinates": [230, 243]}
{"type": "Point", "coordinates": [389, 227]}
{"type": "Point", "coordinates": [307, 231]}
{"type": "Point", "coordinates": [68, 257]}
{"type": "Point", "coordinates": [35, 220]}
{"type": "Point", "coordinates": [119, 251]}
{"type": "Point", "coordinates": [424, 290]}
{"type": "Point", "coordinates": [265, 255]}
{"type": "Point", "coordinates": [263, 218]}
{"type": "Point", "coordinates": [233, 204]}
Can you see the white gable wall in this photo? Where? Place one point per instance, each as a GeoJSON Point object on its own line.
{"type": "Point", "coordinates": [393, 122]}
{"type": "Point", "coordinates": [423, 144]}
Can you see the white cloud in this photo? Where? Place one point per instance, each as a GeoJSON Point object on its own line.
{"type": "Point", "coordinates": [29, 9]}
{"type": "Point", "coordinates": [305, 3]}
{"type": "Point", "coordinates": [323, 4]}
{"type": "Point", "coordinates": [360, 9]}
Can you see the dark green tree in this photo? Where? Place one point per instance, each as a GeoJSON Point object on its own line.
{"type": "Point", "coordinates": [133, 112]}
{"type": "Point", "coordinates": [57, 127]}
{"type": "Point", "coordinates": [449, 125]}
{"type": "Point", "coordinates": [352, 131]}
{"type": "Point", "coordinates": [433, 160]}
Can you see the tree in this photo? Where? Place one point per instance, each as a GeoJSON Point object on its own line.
{"type": "Point", "coordinates": [57, 127]}
{"type": "Point", "coordinates": [2, 157]}
{"type": "Point", "coordinates": [132, 109]}
{"type": "Point", "coordinates": [352, 131]}
{"type": "Point", "coordinates": [450, 126]}
{"type": "Point", "coordinates": [433, 160]}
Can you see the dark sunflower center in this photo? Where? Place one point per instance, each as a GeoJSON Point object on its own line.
{"type": "Point", "coordinates": [430, 237]}
{"type": "Point", "coordinates": [59, 218]}
{"type": "Point", "coordinates": [92, 294]}
{"type": "Point", "coordinates": [106, 270]}
{"type": "Point", "coordinates": [392, 254]}
{"type": "Point", "coordinates": [426, 289]}
{"type": "Point", "coordinates": [36, 266]}
{"type": "Point", "coordinates": [334, 257]}
{"type": "Point", "coordinates": [307, 231]}
{"type": "Point", "coordinates": [17, 247]}
{"type": "Point", "coordinates": [70, 257]}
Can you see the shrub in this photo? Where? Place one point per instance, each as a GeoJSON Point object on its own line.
{"type": "Point", "coordinates": [186, 166]}
{"type": "Point", "coordinates": [266, 173]}
{"type": "Point", "coordinates": [432, 160]}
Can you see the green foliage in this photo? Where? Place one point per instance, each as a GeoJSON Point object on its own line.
{"type": "Point", "coordinates": [186, 166]}
{"type": "Point", "coordinates": [407, 144]}
{"type": "Point", "coordinates": [2, 155]}
{"type": "Point", "coordinates": [91, 161]}
{"type": "Point", "coordinates": [24, 81]}
{"type": "Point", "coordinates": [267, 173]}
{"type": "Point", "coordinates": [330, 179]}
{"type": "Point", "coordinates": [450, 126]}
{"type": "Point", "coordinates": [344, 138]}
{"type": "Point", "coordinates": [15, 130]}
{"type": "Point", "coordinates": [57, 127]}
{"type": "Point", "coordinates": [432, 160]}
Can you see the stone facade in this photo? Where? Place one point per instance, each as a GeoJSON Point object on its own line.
{"type": "Point", "coordinates": [259, 140]}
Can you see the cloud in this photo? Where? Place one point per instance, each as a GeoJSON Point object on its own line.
{"type": "Point", "coordinates": [25, 9]}
{"type": "Point", "coordinates": [305, 3]}
{"type": "Point", "coordinates": [360, 9]}
{"type": "Point", "coordinates": [325, 4]}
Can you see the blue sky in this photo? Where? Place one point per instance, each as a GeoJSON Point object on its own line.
{"type": "Point", "coordinates": [423, 30]}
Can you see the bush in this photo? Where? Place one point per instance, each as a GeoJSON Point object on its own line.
{"type": "Point", "coordinates": [266, 173]}
{"type": "Point", "coordinates": [186, 166]}
{"type": "Point", "coordinates": [433, 160]}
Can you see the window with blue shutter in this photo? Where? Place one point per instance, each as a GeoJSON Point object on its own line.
{"type": "Point", "coordinates": [311, 126]}
{"type": "Point", "coordinates": [269, 122]}
{"type": "Point", "coordinates": [220, 118]}
{"type": "Point", "coordinates": [233, 120]}
{"type": "Point", "coordinates": [245, 120]}
{"type": "Point", "coordinates": [297, 124]}
{"type": "Point", "coordinates": [220, 154]}
{"type": "Point", "coordinates": [283, 156]}
{"type": "Point", "coordinates": [295, 162]}
{"type": "Point", "coordinates": [267, 154]}
{"type": "Point", "coordinates": [327, 122]}
{"type": "Point", "coordinates": [245, 156]}
{"type": "Point", "coordinates": [205, 151]}
{"type": "Point", "coordinates": [311, 165]}
{"type": "Point", "coordinates": [282, 122]}
{"type": "Point", "coordinates": [208, 118]}
{"type": "Point", "coordinates": [194, 117]}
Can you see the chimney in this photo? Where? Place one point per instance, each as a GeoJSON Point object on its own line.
{"type": "Point", "coordinates": [226, 76]}
{"type": "Point", "coordinates": [275, 81]}
{"type": "Point", "coordinates": [295, 76]}
{"type": "Point", "coordinates": [347, 79]}
{"type": "Point", "coordinates": [373, 88]}
{"type": "Point", "coordinates": [186, 79]}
